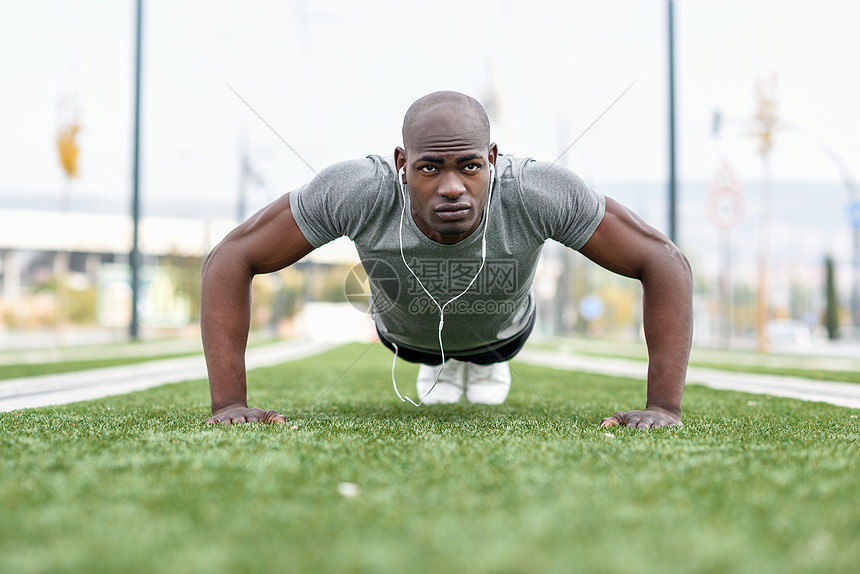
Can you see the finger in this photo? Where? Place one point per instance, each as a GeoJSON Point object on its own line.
{"type": "Point", "coordinates": [216, 420]}
{"type": "Point", "coordinates": [614, 420]}
{"type": "Point", "coordinates": [252, 416]}
{"type": "Point", "coordinates": [275, 417]}
{"type": "Point", "coordinates": [633, 421]}
{"type": "Point", "coordinates": [644, 423]}
{"type": "Point", "coordinates": [658, 422]}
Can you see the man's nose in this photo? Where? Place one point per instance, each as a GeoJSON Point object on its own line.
{"type": "Point", "coordinates": [451, 186]}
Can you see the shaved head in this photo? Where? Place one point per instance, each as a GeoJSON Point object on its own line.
{"type": "Point", "coordinates": [446, 160]}
{"type": "Point", "coordinates": [468, 112]}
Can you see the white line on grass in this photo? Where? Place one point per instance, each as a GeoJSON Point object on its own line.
{"type": "Point", "coordinates": [58, 389]}
{"type": "Point", "coordinates": [835, 393]}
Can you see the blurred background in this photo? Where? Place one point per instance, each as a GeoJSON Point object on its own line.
{"type": "Point", "coordinates": [765, 123]}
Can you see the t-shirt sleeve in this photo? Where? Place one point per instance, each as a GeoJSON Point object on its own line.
{"type": "Point", "coordinates": [338, 201]}
{"type": "Point", "coordinates": [560, 205]}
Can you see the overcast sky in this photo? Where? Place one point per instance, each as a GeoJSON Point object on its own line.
{"type": "Point", "coordinates": [334, 79]}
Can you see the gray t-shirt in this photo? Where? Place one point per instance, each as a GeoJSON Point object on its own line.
{"type": "Point", "coordinates": [531, 202]}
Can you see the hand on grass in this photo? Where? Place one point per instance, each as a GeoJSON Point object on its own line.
{"type": "Point", "coordinates": [649, 418]}
{"type": "Point", "coordinates": [238, 414]}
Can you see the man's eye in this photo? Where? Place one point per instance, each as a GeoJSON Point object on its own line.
{"type": "Point", "coordinates": [473, 167]}
{"type": "Point", "coordinates": [427, 168]}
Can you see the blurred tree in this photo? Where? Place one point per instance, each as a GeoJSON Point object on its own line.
{"type": "Point", "coordinates": [293, 281]}
{"type": "Point", "coordinates": [329, 283]}
{"type": "Point", "coordinates": [831, 314]}
{"type": "Point", "coordinates": [744, 308]}
{"type": "Point", "coordinates": [185, 274]}
{"type": "Point", "coordinates": [82, 306]}
{"type": "Point", "coordinates": [261, 301]}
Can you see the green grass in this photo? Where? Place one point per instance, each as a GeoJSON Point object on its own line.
{"type": "Point", "coordinates": [138, 484]}
{"type": "Point", "coordinates": [34, 369]}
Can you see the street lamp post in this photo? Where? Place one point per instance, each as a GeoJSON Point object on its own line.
{"type": "Point", "coordinates": [855, 261]}
{"type": "Point", "coordinates": [673, 220]}
{"type": "Point", "coordinates": [765, 123]}
{"type": "Point", "coordinates": [134, 256]}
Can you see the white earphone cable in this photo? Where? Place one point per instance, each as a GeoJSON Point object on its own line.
{"type": "Point", "coordinates": [433, 299]}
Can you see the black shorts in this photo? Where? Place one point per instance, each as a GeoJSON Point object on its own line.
{"type": "Point", "coordinates": [480, 356]}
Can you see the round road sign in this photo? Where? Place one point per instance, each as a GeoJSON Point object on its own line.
{"type": "Point", "coordinates": [725, 209]}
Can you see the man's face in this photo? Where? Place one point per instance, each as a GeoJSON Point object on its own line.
{"type": "Point", "coordinates": [447, 162]}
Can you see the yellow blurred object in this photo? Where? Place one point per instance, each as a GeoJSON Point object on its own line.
{"type": "Point", "coordinates": [67, 146]}
{"type": "Point", "coordinates": [766, 114]}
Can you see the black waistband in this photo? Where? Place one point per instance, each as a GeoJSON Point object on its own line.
{"type": "Point", "coordinates": [483, 355]}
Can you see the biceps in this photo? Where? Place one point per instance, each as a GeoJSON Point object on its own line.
{"type": "Point", "coordinates": [624, 243]}
{"type": "Point", "coordinates": [268, 241]}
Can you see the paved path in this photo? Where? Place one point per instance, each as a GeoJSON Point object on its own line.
{"type": "Point", "coordinates": [97, 352]}
{"type": "Point", "coordinates": [65, 388]}
{"type": "Point", "coordinates": [836, 393]}
{"type": "Point", "coordinates": [87, 385]}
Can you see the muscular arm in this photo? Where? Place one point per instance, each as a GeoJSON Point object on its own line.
{"type": "Point", "coordinates": [625, 244]}
{"type": "Point", "coordinates": [269, 241]}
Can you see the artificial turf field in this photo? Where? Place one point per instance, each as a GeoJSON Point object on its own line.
{"type": "Point", "coordinates": [138, 484]}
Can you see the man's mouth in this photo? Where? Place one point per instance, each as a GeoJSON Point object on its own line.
{"type": "Point", "coordinates": [452, 211]}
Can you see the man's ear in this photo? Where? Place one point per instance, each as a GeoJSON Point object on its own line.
{"type": "Point", "coordinates": [400, 161]}
{"type": "Point", "coordinates": [493, 153]}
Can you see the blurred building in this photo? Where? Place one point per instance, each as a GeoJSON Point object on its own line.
{"type": "Point", "coordinates": [53, 262]}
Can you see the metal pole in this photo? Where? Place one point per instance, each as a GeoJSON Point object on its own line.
{"type": "Point", "coordinates": [673, 223]}
{"type": "Point", "coordinates": [762, 316]}
{"type": "Point", "coordinates": [134, 256]}
{"type": "Point", "coordinates": [855, 292]}
{"type": "Point", "coordinates": [724, 288]}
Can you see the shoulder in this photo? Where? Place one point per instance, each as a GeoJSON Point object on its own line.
{"type": "Point", "coordinates": [350, 180]}
{"type": "Point", "coordinates": [559, 204]}
{"type": "Point", "coordinates": [540, 176]}
{"type": "Point", "coordinates": [535, 176]}
{"type": "Point", "coordinates": [357, 173]}
{"type": "Point", "coordinates": [537, 181]}
{"type": "Point", "coordinates": [342, 198]}
{"type": "Point", "coordinates": [509, 168]}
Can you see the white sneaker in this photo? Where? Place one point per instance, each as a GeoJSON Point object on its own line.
{"type": "Point", "coordinates": [487, 384]}
{"type": "Point", "coordinates": [449, 388]}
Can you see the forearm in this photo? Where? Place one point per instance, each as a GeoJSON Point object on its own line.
{"type": "Point", "coordinates": [668, 324]}
{"type": "Point", "coordinates": [224, 321]}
